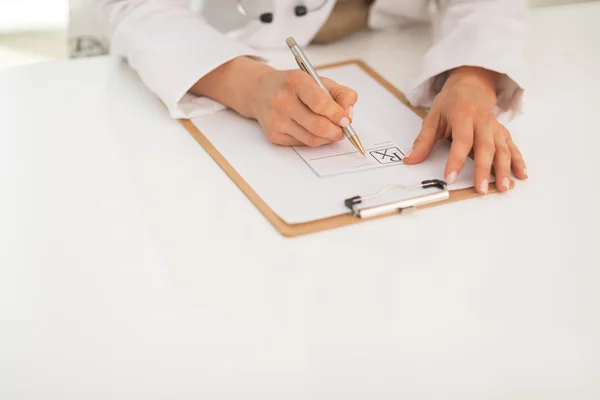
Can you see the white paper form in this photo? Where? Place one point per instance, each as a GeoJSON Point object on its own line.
{"type": "Point", "coordinates": [342, 157]}
{"type": "Point", "coordinates": [291, 188]}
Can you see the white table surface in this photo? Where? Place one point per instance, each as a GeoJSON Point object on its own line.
{"type": "Point", "coordinates": [132, 267]}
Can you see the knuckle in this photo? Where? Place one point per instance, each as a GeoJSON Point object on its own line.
{"type": "Point", "coordinates": [313, 141]}
{"type": "Point", "coordinates": [516, 157]}
{"type": "Point", "coordinates": [504, 132]}
{"type": "Point", "coordinates": [488, 120]}
{"type": "Point", "coordinates": [280, 100]}
{"type": "Point", "coordinates": [322, 103]}
{"type": "Point", "coordinates": [272, 136]}
{"type": "Point", "coordinates": [503, 151]}
{"type": "Point", "coordinates": [419, 141]}
{"type": "Point", "coordinates": [512, 146]}
{"type": "Point", "coordinates": [519, 164]}
{"type": "Point", "coordinates": [455, 163]}
{"type": "Point", "coordinates": [468, 110]}
{"type": "Point", "coordinates": [430, 124]}
{"type": "Point", "coordinates": [338, 113]}
{"type": "Point", "coordinates": [279, 126]}
{"type": "Point", "coordinates": [294, 78]}
{"type": "Point", "coordinates": [427, 120]}
{"type": "Point", "coordinates": [339, 135]}
{"type": "Point", "coordinates": [271, 120]}
{"type": "Point", "coordinates": [422, 140]}
{"type": "Point", "coordinates": [352, 95]}
{"type": "Point", "coordinates": [486, 146]}
{"type": "Point", "coordinates": [466, 140]}
{"type": "Point", "coordinates": [321, 126]}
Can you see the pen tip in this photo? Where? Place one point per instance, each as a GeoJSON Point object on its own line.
{"type": "Point", "coordinates": [356, 142]}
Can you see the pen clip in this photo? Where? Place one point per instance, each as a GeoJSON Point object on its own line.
{"type": "Point", "coordinates": [407, 204]}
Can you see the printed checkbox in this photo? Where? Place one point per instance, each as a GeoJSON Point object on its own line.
{"type": "Point", "coordinates": [389, 155]}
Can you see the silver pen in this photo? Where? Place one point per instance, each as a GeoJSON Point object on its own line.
{"type": "Point", "coordinates": [307, 67]}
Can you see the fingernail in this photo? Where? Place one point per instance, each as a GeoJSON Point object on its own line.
{"type": "Point", "coordinates": [407, 155]}
{"type": "Point", "coordinates": [351, 112]}
{"type": "Point", "coordinates": [344, 122]}
{"type": "Point", "coordinates": [451, 178]}
{"type": "Point", "coordinates": [483, 188]}
{"type": "Point", "coordinates": [506, 183]}
{"type": "Point", "coordinates": [525, 172]}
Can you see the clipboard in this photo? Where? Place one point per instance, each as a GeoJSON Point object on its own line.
{"type": "Point", "coordinates": [356, 214]}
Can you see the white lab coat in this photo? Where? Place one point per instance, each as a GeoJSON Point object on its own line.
{"type": "Point", "coordinates": [172, 47]}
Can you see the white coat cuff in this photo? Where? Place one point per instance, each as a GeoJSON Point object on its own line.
{"type": "Point", "coordinates": [171, 52]}
{"type": "Point", "coordinates": [184, 105]}
{"type": "Point", "coordinates": [448, 55]}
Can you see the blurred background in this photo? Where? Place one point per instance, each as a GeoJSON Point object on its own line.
{"type": "Point", "coordinates": [38, 30]}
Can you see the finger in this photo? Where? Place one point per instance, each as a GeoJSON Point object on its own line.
{"type": "Point", "coordinates": [425, 141]}
{"type": "Point", "coordinates": [462, 144]}
{"type": "Point", "coordinates": [315, 124]}
{"type": "Point", "coordinates": [303, 136]}
{"type": "Point", "coordinates": [518, 164]}
{"type": "Point", "coordinates": [343, 95]}
{"type": "Point", "coordinates": [484, 155]}
{"type": "Point", "coordinates": [321, 102]}
{"type": "Point", "coordinates": [283, 139]}
{"type": "Point", "coordinates": [502, 162]}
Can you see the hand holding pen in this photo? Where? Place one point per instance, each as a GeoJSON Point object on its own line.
{"type": "Point", "coordinates": [306, 66]}
{"type": "Point", "coordinates": [291, 108]}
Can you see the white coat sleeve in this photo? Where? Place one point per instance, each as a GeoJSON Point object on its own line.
{"type": "Point", "coordinates": [170, 47]}
{"type": "Point", "coordinates": [481, 33]}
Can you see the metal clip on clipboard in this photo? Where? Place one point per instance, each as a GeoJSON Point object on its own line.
{"type": "Point", "coordinates": [401, 205]}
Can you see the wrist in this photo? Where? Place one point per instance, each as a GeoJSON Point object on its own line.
{"type": "Point", "coordinates": [474, 75]}
{"type": "Point", "coordinates": [485, 80]}
{"type": "Point", "coordinates": [233, 84]}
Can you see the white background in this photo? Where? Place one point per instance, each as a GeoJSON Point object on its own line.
{"type": "Point", "coordinates": [21, 15]}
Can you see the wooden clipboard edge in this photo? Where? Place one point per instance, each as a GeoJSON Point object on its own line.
{"type": "Point", "coordinates": [283, 228]}
{"type": "Point", "coordinates": [287, 230]}
{"type": "Point", "coordinates": [292, 230]}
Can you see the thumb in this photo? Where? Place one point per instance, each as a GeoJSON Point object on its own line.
{"type": "Point", "coordinates": [342, 95]}
{"type": "Point", "coordinates": [424, 142]}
